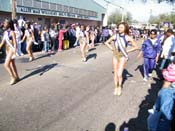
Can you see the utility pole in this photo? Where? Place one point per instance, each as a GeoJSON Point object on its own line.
{"type": "Point", "coordinates": [13, 8]}
{"type": "Point", "coordinates": [105, 21]}
{"type": "Point", "coordinates": [123, 17]}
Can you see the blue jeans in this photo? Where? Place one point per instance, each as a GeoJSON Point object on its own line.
{"type": "Point", "coordinates": [164, 64]}
{"type": "Point", "coordinates": [46, 46]}
{"type": "Point", "coordinates": [164, 125]}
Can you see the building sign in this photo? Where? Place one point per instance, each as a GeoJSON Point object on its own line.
{"type": "Point", "coordinates": [30, 10]}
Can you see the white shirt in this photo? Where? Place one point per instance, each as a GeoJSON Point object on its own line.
{"type": "Point", "coordinates": [18, 34]}
{"type": "Point", "coordinates": [168, 47]}
{"type": "Point", "coordinates": [153, 41]}
{"type": "Point", "coordinates": [77, 31]}
{"type": "Point", "coordinates": [52, 33]}
{"type": "Point", "coordinates": [42, 36]}
{"type": "Point", "coordinates": [21, 23]}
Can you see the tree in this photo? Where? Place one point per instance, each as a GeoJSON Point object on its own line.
{"type": "Point", "coordinates": [162, 18]}
{"type": "Point", "coordinates": [116, 17]}
{"type": "Point", "coordinates": [129, 17]}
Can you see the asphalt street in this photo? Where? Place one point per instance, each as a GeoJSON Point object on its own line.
{"type": "Point", "coordinates": [58, 92]}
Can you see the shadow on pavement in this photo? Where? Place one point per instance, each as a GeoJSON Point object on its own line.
{"type": "Point", "coordinates": [110, 127]}
{"type": "Point", "coordinates": [90, 56]}
{"type": "Point", "coordinates": [126, 75]}
{"type": "Point", "coordinates": [92, 49]}
{"type": "Point", "coordinates": [26, 60]}
{"type": "Point", "coordinates": [2, 60]}
{"type": "Point", "coordinates": [40, 71]}
{"type": "Point", "coordinates": [45, 55]}
{"type": "Point", "coordinates": [140, 68]}
{"type": "Point", "coordinates": [140, 123]}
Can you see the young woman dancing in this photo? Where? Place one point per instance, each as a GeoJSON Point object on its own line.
{"type": "Point", "coordinates": [120, 53]}
{"type": "Point", "coordinates": [29, 37]}
{"type": "Point", "coordinates": [9, 39]}
{"type": "Point", "coordinates": [84, 41]}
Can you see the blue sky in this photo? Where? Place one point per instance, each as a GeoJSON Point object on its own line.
{"type": "Point", "coordinates": [139, 10]}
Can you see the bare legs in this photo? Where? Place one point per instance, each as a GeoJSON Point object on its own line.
{"type": "Point", "coordinates": [83, 47]}
{"type": "Point", "coordinates": [118, 71]}
{"type": "Point", "coordinates": [11, 68]}
{"type": "Point", "coordinates": [29, 50]}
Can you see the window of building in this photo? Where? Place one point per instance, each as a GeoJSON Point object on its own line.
{"type": "Point", "coordinates": [19, 2]}
{"type": "Point", "coordinates": [36, 4]}
{"type": "Point", "coordinates": [86, 12]}
{"type": "Point", "coordinates": [66, 8]}
{"type": "Point", "coordinates": [27, 3]}
{"type": "Point", "coordinates": [53, 6]}
{"type": "Point", "coordinates": [71, 9]}
{"type": "Point", "coordinates": [81, 11]}
{"type": "Point", "coordinates": [76, 10]}
{"type": "Point", "coordinates": [45, 5]}
{"type": "Point", "coordinates": [59, 7]}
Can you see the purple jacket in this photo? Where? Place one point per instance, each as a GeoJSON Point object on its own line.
{"type": "Point", "coordinates": [151, 50]}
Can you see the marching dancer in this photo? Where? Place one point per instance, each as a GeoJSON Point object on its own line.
{"type": "Point", "coordinates": [29, 37]}
{"type": "Point", "coordinates": [84, 41]}
{"type": "Point", "coordinates": [120, 52]}
{"type": "Point", "coordinates": [9, 39]}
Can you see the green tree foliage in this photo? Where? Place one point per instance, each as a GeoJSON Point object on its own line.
{"type": "Point", "coordinates": [162, 18]}
{"type": "Point", "coordinates": [116, 17]}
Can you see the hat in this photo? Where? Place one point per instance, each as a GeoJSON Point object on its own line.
{"type": "Point", "coordinates": [169, 73]}
{"type": "Point", "coordinates": [73, 25]}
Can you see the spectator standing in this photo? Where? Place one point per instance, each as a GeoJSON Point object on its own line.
{"type": "Point", "coordinates": [150, 51]}
{"type": "Point", "coordinates": [61, 34]}
{"type": "Point", "coordinates": [167, 49]}
{"type": "Point", "coordinates": [53, 36]}
{"type": "Point", "coordinates": [18, 34]}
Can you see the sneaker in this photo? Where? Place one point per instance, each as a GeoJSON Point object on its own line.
{"type": "Point", "coordinates": [145, 79]}
{"type": "Point", "coordinates": [150, 74]}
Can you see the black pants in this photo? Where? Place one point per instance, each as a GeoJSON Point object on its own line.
{"type": "Point", "coordinates": [54, 45]}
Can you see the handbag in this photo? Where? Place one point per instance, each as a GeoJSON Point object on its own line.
{"type": "Point", "coordinates": [153, 120]}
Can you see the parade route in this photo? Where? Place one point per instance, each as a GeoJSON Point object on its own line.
{"type": "Point", "coordinates": [58, 92]}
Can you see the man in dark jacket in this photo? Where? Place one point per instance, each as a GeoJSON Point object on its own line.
{"type": "Point", "coordinates": [150, 51]}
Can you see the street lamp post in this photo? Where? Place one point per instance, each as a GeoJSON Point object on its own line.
{"type": "Point", "coordinates": [13, 8]}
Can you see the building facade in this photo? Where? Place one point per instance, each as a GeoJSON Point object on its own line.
{"type": "Point", "coordinates": [61, 11]}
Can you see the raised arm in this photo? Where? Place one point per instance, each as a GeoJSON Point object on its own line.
{"type": "Point", "coordinates": [108, 42]}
